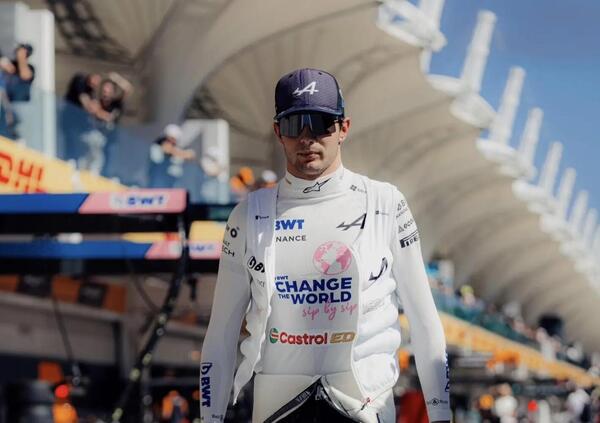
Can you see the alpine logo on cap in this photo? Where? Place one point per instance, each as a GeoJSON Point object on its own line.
{"type": "Point", "coordinates": [310, 88]}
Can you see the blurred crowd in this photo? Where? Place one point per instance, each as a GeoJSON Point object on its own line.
{"type": "Point", "coordinates": [500, 404]}
{"type": "Point", "coordinates": [16, 78]}
{"type": "Point", "coordinates": [90, 135]}
{"type": "Point", "coordinates": [507, 320]}
{"type": "Point", "coordinates": [94, 104]}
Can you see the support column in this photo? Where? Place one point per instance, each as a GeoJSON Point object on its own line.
{"type": "Point", "coordinates": [502, 127]}
{"type": "Point", "coordinates": [479, 49]}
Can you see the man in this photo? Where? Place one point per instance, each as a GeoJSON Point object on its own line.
{"type": "Point", "coordinates": [81, 91]}
{"type": "Point", "coordinates": [318, 265]}
{"type": "Point", "coordinates": [18, 73]}
{"type": "Point", "coordinates": [113, 92]}
{"type": "Point", "coordinates": [16, 78]}
{"type": "Point", "coordinates": [166, 158]}
{"type": "Point", "coordinates": [77, 118]}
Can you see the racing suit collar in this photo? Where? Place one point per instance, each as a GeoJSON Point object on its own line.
{"type": "Point", "coordinates": [293, 187]}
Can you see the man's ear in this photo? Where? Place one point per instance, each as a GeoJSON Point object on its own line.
{"type": "Point", "coordinates": [344, 129]}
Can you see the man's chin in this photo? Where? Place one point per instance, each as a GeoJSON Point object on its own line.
{"type": "Point", "coordinates": [311, 169]}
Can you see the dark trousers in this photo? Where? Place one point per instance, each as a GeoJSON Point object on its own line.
{"type": "Point", "coordinates": [314, 407]}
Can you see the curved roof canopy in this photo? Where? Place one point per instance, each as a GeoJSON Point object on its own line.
{"type": "Point", "coordinates": [221, 58]}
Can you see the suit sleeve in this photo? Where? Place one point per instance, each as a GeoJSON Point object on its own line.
{"type": "Point", "coordinates": [426, 331]}
{"type": "Point", "coordinates": [231, 298]}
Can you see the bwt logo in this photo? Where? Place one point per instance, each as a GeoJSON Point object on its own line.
{"type": "Point", "coordinates": [198, 247]}
{"type": "Point", "coordinates": [205, 383]}
{"type": "Point", "coordinates": [289, 224]}
{"type": "Point", "coordinates": [205, 367]}
{"type": "Point", "coordinates": [255, 265]}
{"type": "Point", "coordinates": [310, 339]}
{"type": "Point", "coordinates": [130, 201]}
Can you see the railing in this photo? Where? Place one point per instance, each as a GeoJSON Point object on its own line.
{"type": "Point", "coordinates": [56, 127]}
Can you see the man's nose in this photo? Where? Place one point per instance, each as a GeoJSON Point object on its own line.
{"type": "Point", "coordinates": [306, 136]}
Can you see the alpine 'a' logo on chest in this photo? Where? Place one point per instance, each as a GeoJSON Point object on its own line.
{"type": "Point", "coordinates": [358, 222]}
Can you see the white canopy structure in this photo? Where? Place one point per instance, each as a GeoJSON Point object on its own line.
{"type": "Point", "coordinates": [472, 197]}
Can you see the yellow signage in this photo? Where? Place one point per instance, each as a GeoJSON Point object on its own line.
{"type": "Point", "coordinates": [23, 169]}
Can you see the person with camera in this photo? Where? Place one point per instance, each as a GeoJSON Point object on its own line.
{"type": "Point", "coordinates": [16, 78]}
{"type": "Point", "coordinates": [18, 73]}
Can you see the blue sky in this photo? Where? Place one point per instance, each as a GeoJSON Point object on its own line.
{"type": "Point", "coordinates": [557, 42]}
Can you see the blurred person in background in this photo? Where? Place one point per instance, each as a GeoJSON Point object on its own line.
{"type": "Point", "coordinates": [82, 91]}
{"type": "Point", "coordinates": [174, 408]}
{"type": "Point", "coordinates": [595, 405]}
{"type": "Point", "coordinates": [113, 92]}
{"type": "Point", "coordinates": [506, 405]}
{"type": "Point", "coordinates": [18, 73]}
{"type": "Point", "coordinates": [242, 183]}
{"type": "Point", "coordinates": [486, 408]}
{"type": "Point", "coordinates": [16, 78]}
{"type": "Point", "coordinates": [578, 405]}
{"type": "Point", "coordinates": [297, 260]}
{"type": "Point", "coordinates": [78, 113]}
{"type": "Point", "coordinates": [167, 158]}
{"type": "Point", "coordinates": [267, 179]}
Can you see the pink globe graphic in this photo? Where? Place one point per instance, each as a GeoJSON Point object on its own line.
{"type": "Point", "coordinates": [332, 258]}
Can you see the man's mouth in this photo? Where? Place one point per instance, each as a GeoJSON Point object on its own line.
{"type": "Point", "coordinates": [308, 153]}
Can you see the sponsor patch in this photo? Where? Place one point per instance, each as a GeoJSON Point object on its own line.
{"type": "Point", "coordinates": [358, 222]}
{"type": "Point", "coordinates": [227, 251]}
{"type": "Point", "coordinates": [314, 291]}
{"type": "Point", "coordinates": [319, 338]}
{"type": "Point", "coordinates": [357, 189]}
{"type": "Point", "coordinates": [383, 268]}
{"type": "Point", "coordinates": [253, 264]}
{"type": "Point", "coordinates": [410, 239]}
{"type": "Point", "coordinates": [332, 258]}
{"type": "Point", "coordinates": [205, 383]}
{"type": "Point", "coordinates": [437, 402]}
{"type": "Point", "coordinates": [233, 232]}
{"type": "Point", "coordinates": [205, 367]}
{"type": "Point", "coordinates": [138, 200]}
{"type": "Point", "coordinates": [289, 224]}
{"type": "Point", "coordinates": [316, 187]}
{"type": "Point", "coordinates": [290, 238]}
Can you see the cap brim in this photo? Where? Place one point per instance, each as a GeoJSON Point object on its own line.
{"type": "Point", "coordinates": [309, 109]}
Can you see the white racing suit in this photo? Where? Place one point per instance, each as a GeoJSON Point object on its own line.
{"type": "Point", "coordinates": [318, 269]}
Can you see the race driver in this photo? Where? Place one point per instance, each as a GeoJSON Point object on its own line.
{"type": "Point", "coordinates": [318, 266]}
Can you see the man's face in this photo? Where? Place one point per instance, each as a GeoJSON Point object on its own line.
{"type": "Point", "coordinates": [107, 90]}
{"type": "Point", "coordinates": [21, 53]}
{"type": "Point", "coordinates": [94, 80]}
{"type": "Point", "coordinates": [309, 156]}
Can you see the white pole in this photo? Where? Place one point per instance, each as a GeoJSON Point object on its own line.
{"type": "Point", "coordinates": [596, 243]}
{"type": "Point", "coordinates": [565, 191]}
{"type": "Point", "coordinates": [479, 49]}
{"type": "Point", "coordinates": [590, 226]}
{"type": "Point", "coordinates": [578, 212]}
{"type": "Point", "coordinates": [432, 9]}
{"type": "Point", "coordinates": [531, 134]}
{"type": "Point", "coordinates": [502, 126]}
{"type": "Point", "coordinates": [548, 176]}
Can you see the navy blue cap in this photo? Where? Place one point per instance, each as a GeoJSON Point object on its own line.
{"type": "Point", "coordinates": [308, 90]}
